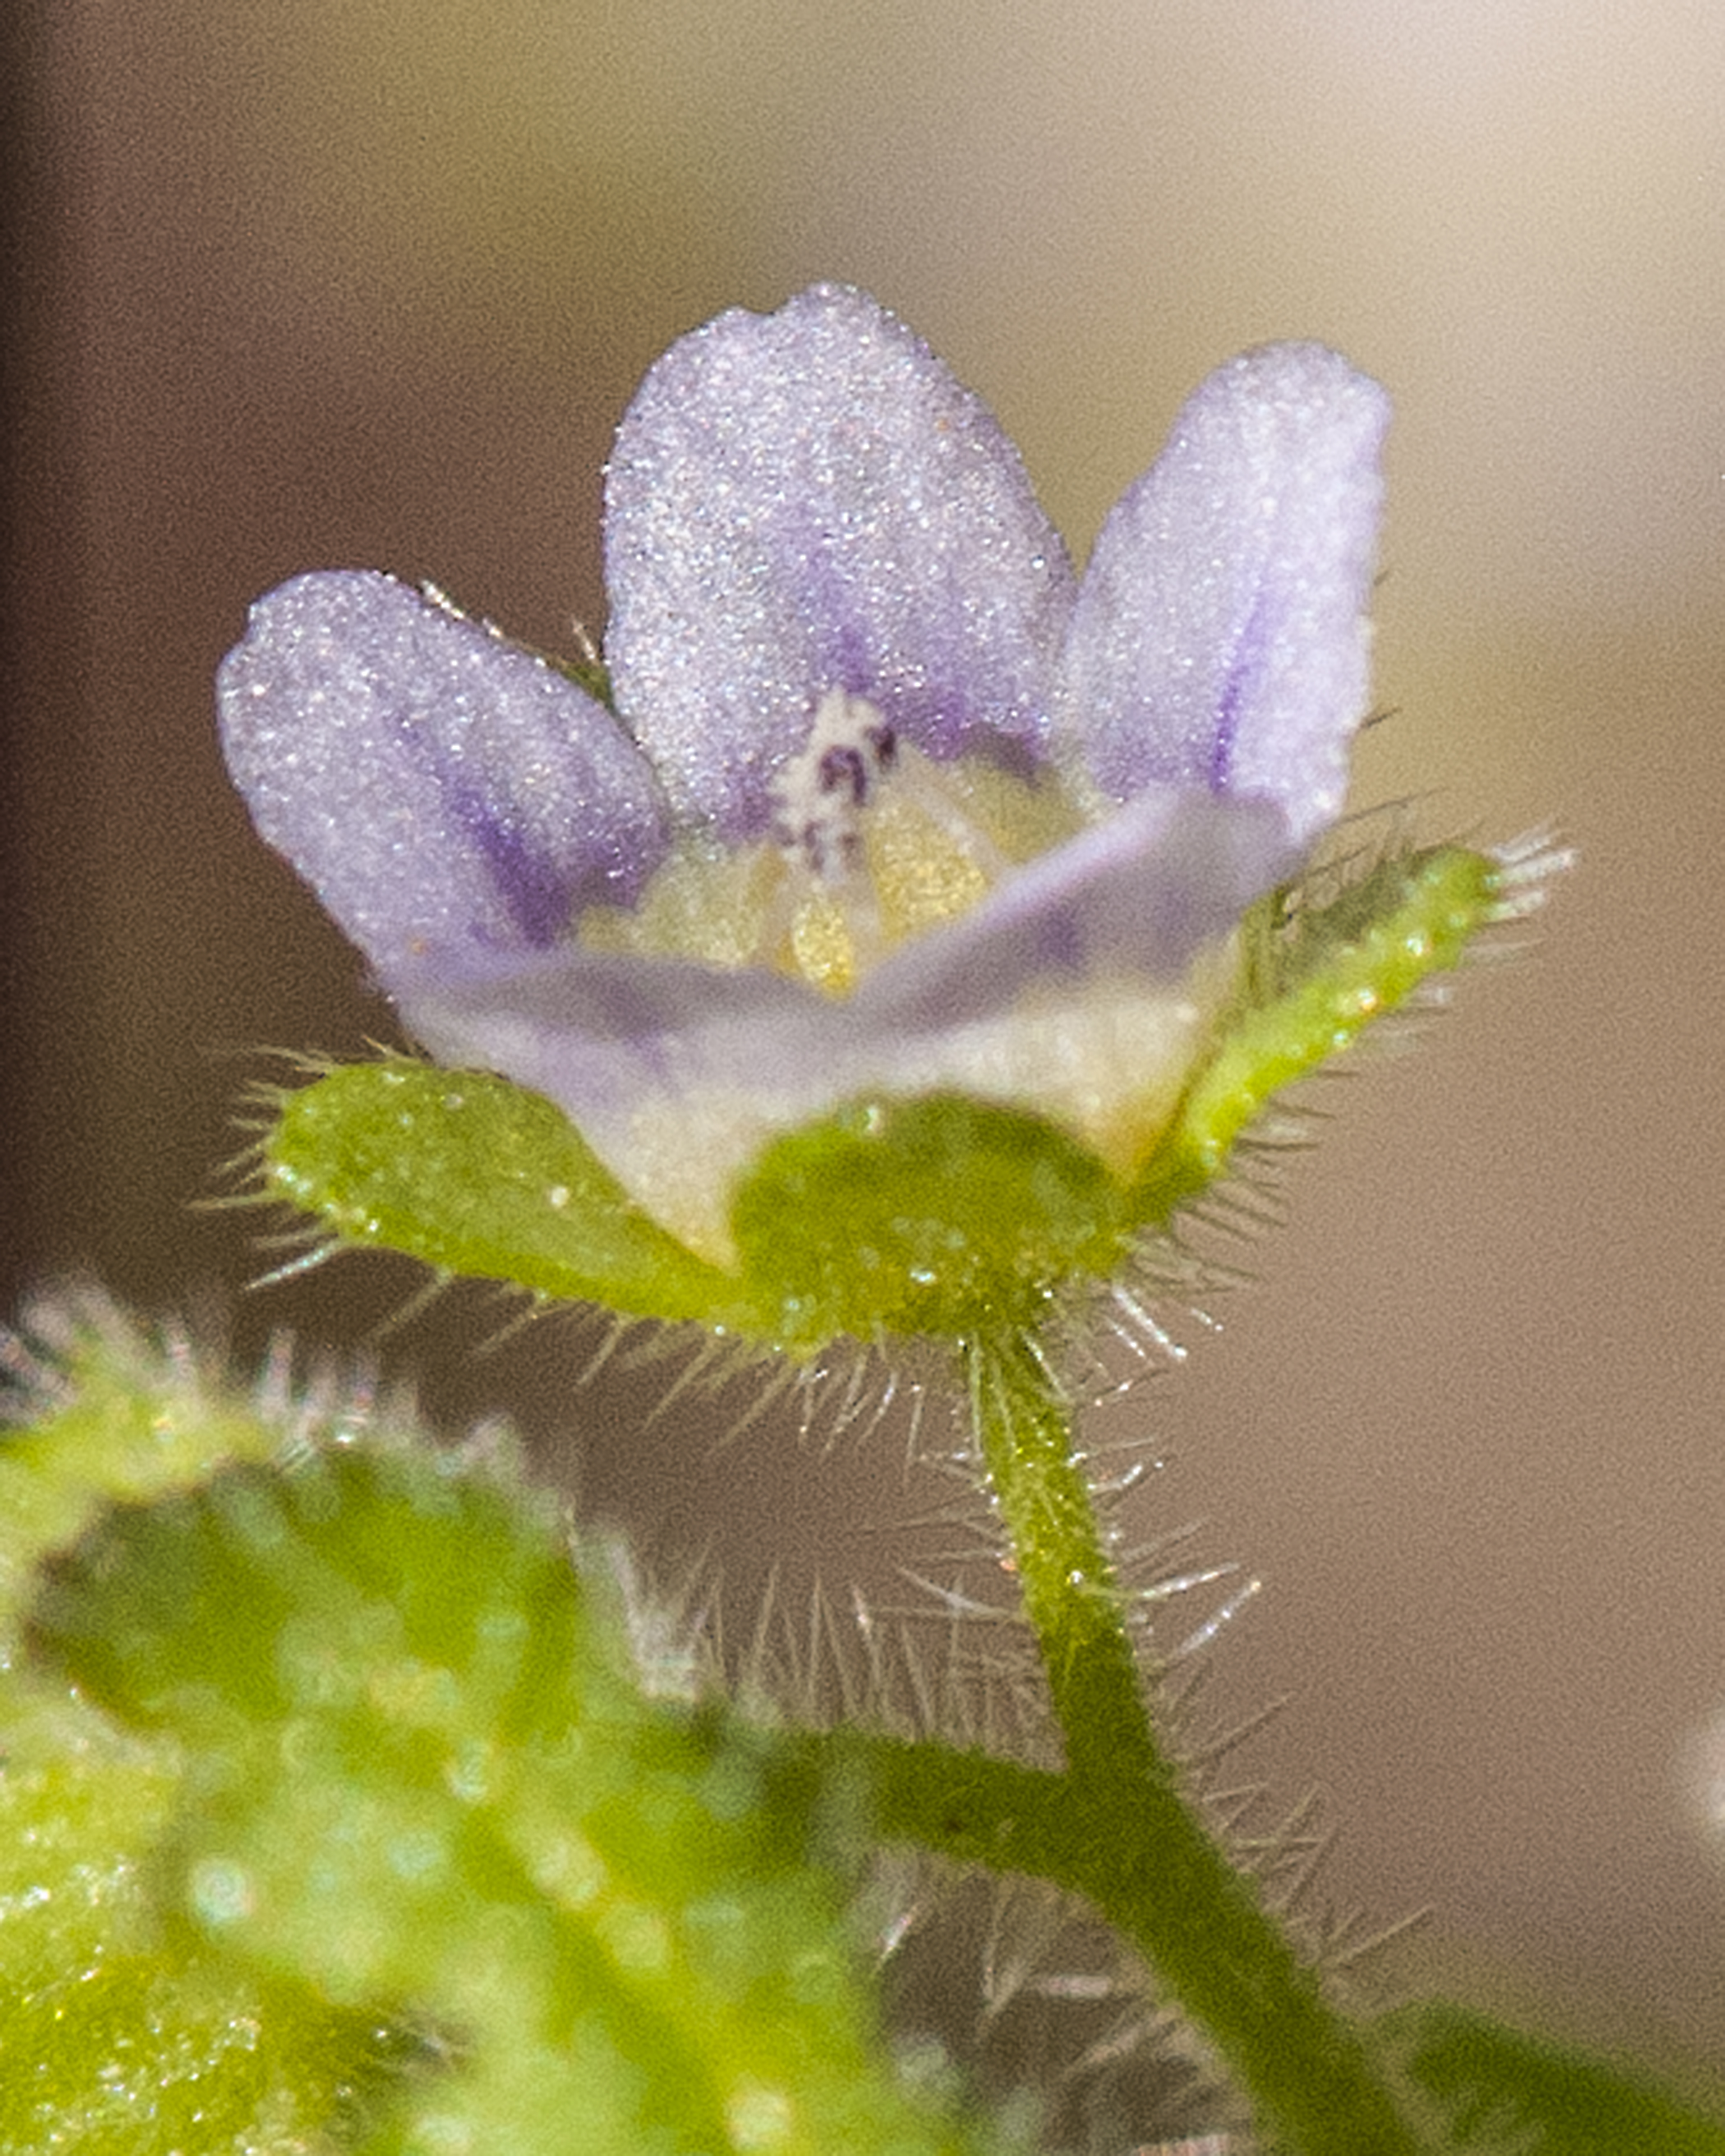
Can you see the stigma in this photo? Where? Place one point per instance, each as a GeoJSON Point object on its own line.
{"type": "Point", "coordinates": [819, 796]}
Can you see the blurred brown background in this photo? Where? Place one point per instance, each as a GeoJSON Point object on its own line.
{"type": "Point", "coordinates": [336, 282]}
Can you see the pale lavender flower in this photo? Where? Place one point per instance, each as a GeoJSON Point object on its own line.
{"type": "Point", "coordinates": [892, 802]}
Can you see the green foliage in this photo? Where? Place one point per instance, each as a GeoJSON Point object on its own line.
{"type": "Point", "coordinates": [421, 1781]}
{"type": "Point", "coordinates": [1498, 2088]}
{"type": "Point", "coordinates": [115, 2040]}
{"type": "Point", "coordinates": [335, 1814]}
{"type": "Point", "coordinates": [112, 1416]}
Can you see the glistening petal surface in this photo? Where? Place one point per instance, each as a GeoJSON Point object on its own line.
{"type": "Point", "coordinates": [1221, 637]}
{"type": "Point", "coordinates": [440, 788]}
{"type": "Point", "coordinates": [808, 500]}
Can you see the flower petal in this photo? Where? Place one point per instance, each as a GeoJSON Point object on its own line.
{"type": "Point", "coordinates": [1070, 992]}
{"type": "Point", "coordinates": [1219, 638]}
{"type": "Point", "coordinates": [1134, 898]}
{"type": "Point", "coordinates": [439, 787]}
{"type": "Point", "coordinates": [805, 501]}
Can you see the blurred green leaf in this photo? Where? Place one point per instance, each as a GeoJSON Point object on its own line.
{"type": "Point", "coordinates": [1498, 2088]}
{"type": "Point", "coordinates": [420, 1778]}
{"type": "Point", "coordinates": [114, 2038]}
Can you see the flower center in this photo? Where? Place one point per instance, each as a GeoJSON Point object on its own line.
{"type": "Point", "coordinates": [872, 843]}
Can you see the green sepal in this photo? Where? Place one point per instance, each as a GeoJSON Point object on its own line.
{"type": "Point", "coordinates": [932, 1216]}
{"type": "Point", "coordinates": [1315, 975]}
{"type": "Point", "coordinates": [889, 1216]}
{"type": "Point", "coordinates": [473, 1175]}
{"type": "Point", "coordinates": [1496, 2087]}
{"type": "Point", "coordinates": [936, 1216]}
{"type": "Point", "coordinates": [591, 674]}
{"type": "Point", "coordinates": [423, 1780]}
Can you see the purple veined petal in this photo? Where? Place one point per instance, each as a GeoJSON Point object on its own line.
{"type": "Point", "coordinates": [1219, 638]}
{"type": "Point", "coordinates": [439, 787]}
{"type": "Point", "coordinates": [1133, 899]}
{"type": "Point", "coordinates": [1086, 988]}
{"type": "Point", "coordinates": [1070, 991]}
{"type": "Point", "coordinates": [808, 500]}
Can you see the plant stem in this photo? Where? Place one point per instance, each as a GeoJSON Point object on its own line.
{"type": "Point", "coordinates": [1133, 1845]}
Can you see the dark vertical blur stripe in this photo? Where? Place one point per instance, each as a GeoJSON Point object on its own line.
{"type": "Point", "coordinates": [39, 557]}
{"type": "Point", "coordinates": [52, 1083]}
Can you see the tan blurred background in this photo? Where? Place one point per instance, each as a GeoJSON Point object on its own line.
{"type": "Point", "coordinates": [340, 282]}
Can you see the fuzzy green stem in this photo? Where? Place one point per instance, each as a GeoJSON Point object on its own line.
{"type": "Point", "coordinates": [1135, 1846]}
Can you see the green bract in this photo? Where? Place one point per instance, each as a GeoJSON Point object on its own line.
{"type": "Point", "coordinates": [925, 1215]}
